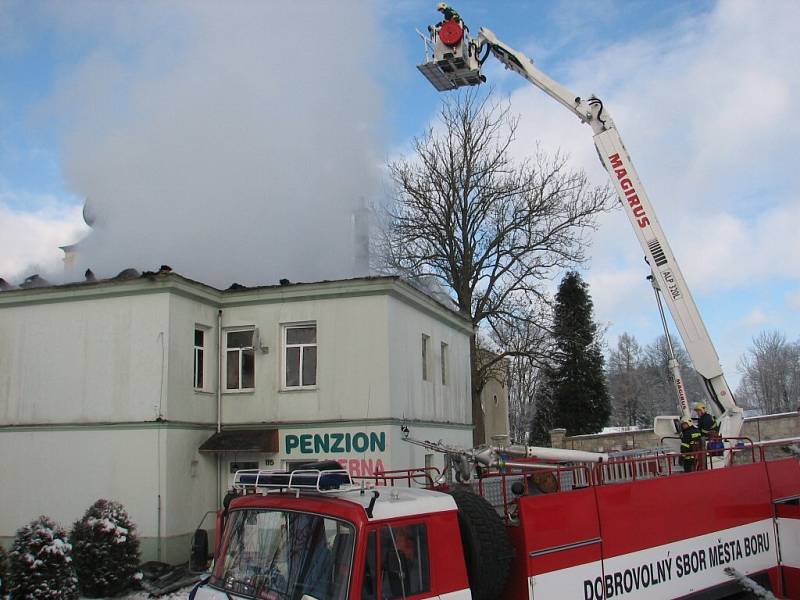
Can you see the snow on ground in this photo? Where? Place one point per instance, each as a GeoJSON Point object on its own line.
{"type": "Point", "coordinates": [182, 594]}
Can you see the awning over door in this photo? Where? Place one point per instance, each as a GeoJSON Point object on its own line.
{"type": "Point", "coordinates": [242, 440]}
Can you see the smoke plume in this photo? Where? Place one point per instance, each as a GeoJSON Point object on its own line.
{"type": "Point", "coordinates": [232, 141]}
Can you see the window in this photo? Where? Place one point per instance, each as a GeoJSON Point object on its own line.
{"type": "Point", "coordinates": [370, 583]}
{"type": "Point", "coordinates": [426, 353]}
{"type": "Point", "coordinates": [405, 569]}
{"type": "Point", "coordinates": [240, 360]}
{"type": "Point", "coordinates": [300, 355]}
{"type": "Point", "coordinates": [239, 466]}
{"type": "Point", "coordinates": [199, 354]}
{"type": "Point", "coordinates": [445, 374]}
{"type": "Point", "coordinates": [284, 554]}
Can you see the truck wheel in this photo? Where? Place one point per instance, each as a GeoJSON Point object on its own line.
{"type": "Point", "coordinates": [487, 550]}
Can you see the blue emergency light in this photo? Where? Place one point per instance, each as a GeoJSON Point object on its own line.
{"type": "Point", "coordinates": [309, 479]}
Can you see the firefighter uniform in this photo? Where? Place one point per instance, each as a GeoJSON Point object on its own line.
{"type": "Point", "coordinates": [709, 429]}
{"type": "Point", "coordinates": [449, 13]}
{"type": "Point", "coordinates": [691, 439]}
{"type": "Point", "coordinates": [706, 423]}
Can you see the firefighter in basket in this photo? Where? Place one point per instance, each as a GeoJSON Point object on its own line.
{"type": "Point", "coordinates": [709, 429]}
{"type": "Point", "coordinates": [449, 14]}
{"type": "Point", "coordinates": [451, 28]}
{"type": "Point", "coordinates": [691, 441]}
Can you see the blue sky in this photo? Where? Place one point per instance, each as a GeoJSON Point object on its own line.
{"type": "Point", "coordinates": [701, 92]}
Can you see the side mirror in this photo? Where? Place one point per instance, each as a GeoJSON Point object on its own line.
{"type": "Point", "coordinates": [198, 558]}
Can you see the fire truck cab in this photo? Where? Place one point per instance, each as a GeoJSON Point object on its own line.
{"type": "Point", "coordinates": [315, 534]}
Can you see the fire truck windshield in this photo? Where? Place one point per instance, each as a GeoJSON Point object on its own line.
{"type": "Point", "coordinates": [284, 555]}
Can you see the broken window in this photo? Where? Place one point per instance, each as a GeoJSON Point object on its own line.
{"type": "Point", "coordinates": [300, 355]}
{"type": "Point", "coordinates": [240, 360]}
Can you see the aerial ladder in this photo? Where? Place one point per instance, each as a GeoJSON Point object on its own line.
{"type": "Point", "coordinates": [454, 59]}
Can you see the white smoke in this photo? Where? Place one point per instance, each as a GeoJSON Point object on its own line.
{"type": "Point", "coordinates": [232, 141]}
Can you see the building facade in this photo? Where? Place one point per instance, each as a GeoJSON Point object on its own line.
{"type": "Point", "coordinates": [494, 403]}
{"type": "Point", "coordinates": [153, 390]}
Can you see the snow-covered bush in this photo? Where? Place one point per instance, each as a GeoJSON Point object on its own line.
{"type": "Point", "coordinates": [106, 550]}
{"type": "Point", "coordinates": [3, 573]}
{"type": "Point", "coordinates": [40, 563]}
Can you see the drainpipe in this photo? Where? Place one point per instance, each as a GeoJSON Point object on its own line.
{"type": "Point", "coordinates": [159, 454]}
{"type": "Point", "coordinates": [219, 370]}
{"type": "Point", "coordinates": [219, 408]}
{"type": "Point", "coordinates": [158, 534]}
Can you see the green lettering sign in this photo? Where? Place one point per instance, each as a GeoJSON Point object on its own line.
{"type": "Point", "coordinates": [335, 443]}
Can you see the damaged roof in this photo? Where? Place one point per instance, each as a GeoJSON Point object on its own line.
{"type": "Point", "coordinates": [131, 281]}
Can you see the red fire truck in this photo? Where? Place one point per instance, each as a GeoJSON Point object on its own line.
{"type": "Point", "coordinates": [630, 527]}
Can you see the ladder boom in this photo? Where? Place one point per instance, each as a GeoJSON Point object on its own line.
{"type": "Point", "coordinates": [635, 201]}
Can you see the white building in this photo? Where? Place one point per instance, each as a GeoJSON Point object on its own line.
{"type": "Point", "coordinates": [109, 389]}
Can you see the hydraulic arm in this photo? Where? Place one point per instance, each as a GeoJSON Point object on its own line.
{"type": "Point", "coordinates": [452, 66]}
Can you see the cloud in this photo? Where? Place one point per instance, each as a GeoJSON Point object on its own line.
{"type": "Point", "coordinates": [793, 300]}
{"type": "Point", "coordinates": [30, 240]}
{"type": "Point", "coordinates": [737, 253]}
{"type": "Point", "coordinates": [233, 145]}
{"type": "Point", "coordinates": [755, 318]}
{"type": "Point", "coordinates": [610, 290]}
{"type": "Point", "coordinates": [704, 107]}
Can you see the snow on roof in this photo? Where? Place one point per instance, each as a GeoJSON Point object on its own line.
{"type": "Point", "coordinates": [396, 502]}
{"type": "Point", "coordinates": [620, 429]}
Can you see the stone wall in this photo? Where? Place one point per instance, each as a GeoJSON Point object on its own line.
{"type": "Point", "coordinates": [769, 427]}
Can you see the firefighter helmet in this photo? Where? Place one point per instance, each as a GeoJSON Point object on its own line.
{"type": "Point", "coordinates": [441, 6]}
{"type": "Point", "coordinates": [700, 406]}
{"type": "Point", "coordinates": [687, 420]}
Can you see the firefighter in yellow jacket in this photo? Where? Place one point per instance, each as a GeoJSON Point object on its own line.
{"type": "Point", "coordinates": [691, 441]}
{"type": "Point", "coordinates": [709, 429]}
{"type": "Point", "coordinates": [706, 423]}
{"type": "Point", "coordinates": [448, 12]}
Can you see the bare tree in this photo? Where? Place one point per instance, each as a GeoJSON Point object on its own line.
{"type": "Point", "coordinates": [640, 380]}
{"type": "Point", "coordinates": [524, 373]}
{"type": "Point", "coordinates": [489, 229]}
{"type": "Point", "coordinates": [626, 382]}
{"type": "Point", "coordinates": [771, 373]}
{"type": "Point", "coordinates": [659, 395]}
{"type": "Point", "coordinates": [524, 379]}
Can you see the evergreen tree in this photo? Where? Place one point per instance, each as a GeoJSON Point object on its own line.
{"type": "Point", "coordinates": [41, 563]}
{"type": "Point", "coordinates": [580, 393]}
{"type": "Point", "coordinates": [544, 411]}
{"type": "Point", "coordinates": [106, 550]}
